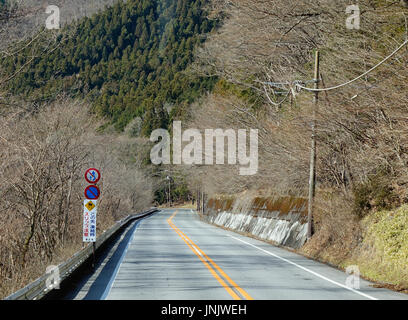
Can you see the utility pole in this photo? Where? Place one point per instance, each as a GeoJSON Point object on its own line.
{"type": "Point", "coordinates": [198, 199]}
{"type": "Point", "coordinates": [169, 194]}
{"type": "Point", "coordinates": [202, 200]}
{"type": "Point", "coordinates": [203, 207]}
{"type": "Point", "coordinates": [312, 176]}
{"type": "Point", "coordinates": [170, 191]}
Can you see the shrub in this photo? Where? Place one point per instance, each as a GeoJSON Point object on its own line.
{"type": "Point", "coordinates": [376, 193]}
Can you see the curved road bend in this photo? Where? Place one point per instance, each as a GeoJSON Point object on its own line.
{"type": "Point", "coordinates": [172, 255]}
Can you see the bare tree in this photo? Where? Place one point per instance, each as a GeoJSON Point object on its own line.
{"type": "Point", "coordinates": [268, 46]}
{"type": "Point", "coordinates": [43, 156]}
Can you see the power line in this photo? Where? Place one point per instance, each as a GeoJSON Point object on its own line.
{"type": "Point", "coordinates": [298, 83]}
{"type": "Point", "coordinates": [359, 77]}
{"type": "Point", "coordinates": [276, 104]}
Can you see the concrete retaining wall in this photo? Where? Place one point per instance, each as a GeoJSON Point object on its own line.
{"type": "Point", "coordinates": [282, 220]}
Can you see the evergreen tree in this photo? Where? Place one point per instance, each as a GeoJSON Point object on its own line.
{"type": "Point", "coordinates": [129, 60]}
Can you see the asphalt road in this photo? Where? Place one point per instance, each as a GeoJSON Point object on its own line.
{"type": "Point", "coordinates": [172, 255]}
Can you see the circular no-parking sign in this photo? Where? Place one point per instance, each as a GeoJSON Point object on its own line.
{"type": "Point", "coordinates": [92, 192]}
{"type": "Point", "coordinates": [92, 175]}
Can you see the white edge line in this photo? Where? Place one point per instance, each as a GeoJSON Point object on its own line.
{"type": "Point", "coordinates": [308, 270]}
{"type": "Point", "coordinates": [118, 265]}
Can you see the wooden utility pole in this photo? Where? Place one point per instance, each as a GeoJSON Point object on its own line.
{"type": "Point", "coordinates": [312, 176]}
{"type": "Point", "coordinates": [198, 199]}
{"type": "Point", "coordinates": [170, 192]}
{"type": "Point", "coordinates": [203, 205]}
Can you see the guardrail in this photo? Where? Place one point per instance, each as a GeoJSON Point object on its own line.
{"type": "Point", "coordinates": [38, 288]}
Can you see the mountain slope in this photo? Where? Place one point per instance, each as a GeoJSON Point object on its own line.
{"type": "Point", "coordinates": [129, 60]}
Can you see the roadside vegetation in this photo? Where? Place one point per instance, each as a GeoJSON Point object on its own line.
{"type": "Point", "coordinates": [93, 91]}
{"type": "Point", "coordinates": [362, 140]}
{"type": "Point", "coordinates": [43, 157]}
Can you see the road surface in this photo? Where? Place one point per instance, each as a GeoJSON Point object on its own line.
{"type": "Point", "coordinates": [172, 255]}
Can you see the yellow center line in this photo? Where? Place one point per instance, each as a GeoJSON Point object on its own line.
{"type": "Point", "coordinates": [200, 253]}
{"type": "Point", "coordinates": [215, 275]}
{"type": "Point", "coordinates": [233, 284]}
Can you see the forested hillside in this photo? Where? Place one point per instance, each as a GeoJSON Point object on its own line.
{"type": "Point", "coordinates": [25, 17]}
{"type": "Point", "coordinates": [243, 64]}
{"type": "Point", "coordinates": [129, 61]}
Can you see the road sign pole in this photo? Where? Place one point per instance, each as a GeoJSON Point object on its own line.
{"type": "Point", "coordinates": [92, 193]}
{"type": "Point", "coordinates": [93, 255]}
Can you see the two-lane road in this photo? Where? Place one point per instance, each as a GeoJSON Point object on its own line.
{"type": "Point", "coordinates": [172, 255]}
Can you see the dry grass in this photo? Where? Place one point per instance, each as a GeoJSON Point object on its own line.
{"type": "Point", "coordinates": [187, 205]}
{"type": "Point", "coordinates": [378, 244]}
{"type": "Point", "coordinates": [383, 253]}
{"type": "Point", "coordinates": [337, 230]}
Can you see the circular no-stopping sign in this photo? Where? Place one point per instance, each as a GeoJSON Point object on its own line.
{"type": "Point", "coordinates": [92, 175]}
{"type": "Point", "coordinates": [92, 192]}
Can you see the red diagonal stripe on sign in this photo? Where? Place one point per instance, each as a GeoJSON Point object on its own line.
{"type": "Point", "coordinates": [90, 190]}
